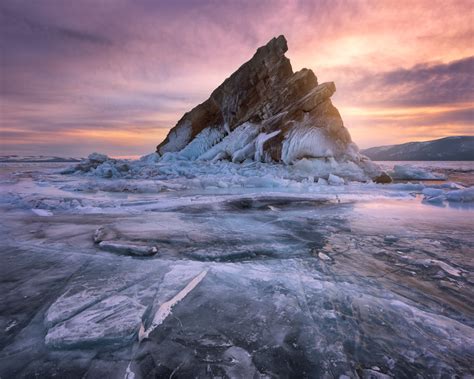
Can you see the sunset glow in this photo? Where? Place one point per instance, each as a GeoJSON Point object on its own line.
{"type": "Point", "coordinates": [116, 76]}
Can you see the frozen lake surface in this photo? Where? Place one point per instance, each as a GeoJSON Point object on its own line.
{"type": "Point", "coordinates": [237, 276]}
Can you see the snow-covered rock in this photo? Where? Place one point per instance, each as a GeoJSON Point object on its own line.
{"type": "Point", "coordinates": [266, 112]}
{"type": "Point", "coordinates": [263, 121]}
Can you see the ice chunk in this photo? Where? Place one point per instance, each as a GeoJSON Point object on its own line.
{"type": "Point", "coordinates": [374, 374]}
{"type": "Point", "coordinates": [128, 248]}
{"type": "Point", "coordinates": [106, 170]}
{"type": "Point", "coordinates": [115, 320]}
{"type": "Point", "coordinates": [97, 158]}
{"type": "Point", "coordinates": [231, 144]}
{"type": "Point", "coordinates": [69, 304]}
{"type": "Point", "coordinates": [436, 195]}
{"type": "Point", "coordinates": [103, 233]}
{"type": "Point", "coordinates": [259, 141]}
{"type": "Point", "coordinates": [335, 180]}
{"type": "Point", "coordinates": [202, 143]}
{"type": "Point", "coordinates": [462, 195]}
{"type": "Point", "coordinates": [244, 153]}
{"type": "Point", "coordinates": [178, 138]}
{"type": "Point", "coordinates": [432, 192]}
{"type": "Point", "coordinates": [433, 195]}
{"type": "Point", "coordinates": [323, 256]}
{"type": "Point", "coordinates": [322, 182]}
{"type": "Point", "coordinates": [446, 267]}
{"type": "Point", "coordinates": [150, 158]}
{"type": "Point", "coordinates": [42, 212]}
{"type": "Point", "coordinates": [407, 186]}
{"type": "Point", "coordinates": [93, 161]}
{"type": "Point", "coordinates": [407, 172]}
{"type": "Point", "coordinates": [306, 141]}
{"type": "Point", "coordinates": [323, 167]}
{"type": "Point", "coordinates": [132, 186]}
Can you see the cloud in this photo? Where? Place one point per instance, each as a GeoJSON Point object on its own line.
{"type": "Point", "coordinates": [12, 19]}
{"type": "Point", "coordinates": [138, 65]}
{"type": "Point", "coordinates": [425, 84]}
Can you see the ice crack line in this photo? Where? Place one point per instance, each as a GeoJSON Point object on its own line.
{"type": "Point", "coordinates": [164, 311]}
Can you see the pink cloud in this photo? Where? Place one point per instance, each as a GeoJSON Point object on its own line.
{"type": "Point", "coordinates": [135, 64]}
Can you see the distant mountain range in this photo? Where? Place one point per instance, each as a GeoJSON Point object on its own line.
{"type": "Point", "coordinates": [460, 148]}
{"type": "Point", "coordinates": [35, 159]}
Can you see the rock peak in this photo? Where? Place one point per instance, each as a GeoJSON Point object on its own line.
{"type": "Point", "coordinates": [276, 45]}
{"type": "Point", "coordinates": [272, 114]}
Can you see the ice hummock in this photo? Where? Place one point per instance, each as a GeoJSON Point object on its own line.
{"type": "Point", "coordinates": [221, 167]}
{"type": "Point", "coordinates": [246, 143]}
{"type": "Point", "coordinates": [152, 174]}
{"type": "Point", "coordinates": [221, 152]}
{"type": "Point", "coordinates": [410, 172]}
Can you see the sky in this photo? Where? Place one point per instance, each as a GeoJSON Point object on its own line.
{"type": "Point", "coordinates": [115, 75]}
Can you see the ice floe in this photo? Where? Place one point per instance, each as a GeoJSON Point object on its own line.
{"type": "Point", "coordinates": [409, 172]}
{"type": "Point", "coordinates": [114, 320]}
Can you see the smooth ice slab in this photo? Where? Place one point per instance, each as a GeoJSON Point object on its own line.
{"type": "Point", "coordinates": [113, 321]}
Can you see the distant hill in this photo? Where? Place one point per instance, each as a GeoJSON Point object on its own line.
{"type": "Point", "coordinates": [35, 159]}
{"type": "Point", "coordinates": [460, 148]}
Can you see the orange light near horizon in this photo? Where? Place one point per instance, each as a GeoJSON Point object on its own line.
{"type": "Point", "coordinates": [121, 137]}
{"type": "Point", "coordinates": [406, 112]}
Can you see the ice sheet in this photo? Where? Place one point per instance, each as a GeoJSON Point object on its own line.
{"type": "Point", "coordinates": [261, 270]}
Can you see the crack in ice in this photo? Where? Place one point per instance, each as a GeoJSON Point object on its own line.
{"type": "Point", "coordinates": [165, 309]}
{"type": "Point", "coordinates": [162, 313]}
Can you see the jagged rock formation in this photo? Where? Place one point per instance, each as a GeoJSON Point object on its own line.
{"type": "Point", "coordinates": [265, 112]}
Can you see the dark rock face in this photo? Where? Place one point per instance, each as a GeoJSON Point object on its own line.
{"type": "Point", "coordinates": [383, 178]}
{"type": "Point", "coordinates": [265, 92]}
